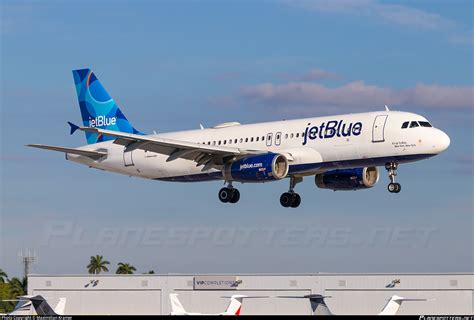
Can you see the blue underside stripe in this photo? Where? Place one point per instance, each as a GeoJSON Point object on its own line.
{"type": "Point", "coordinates": [302, 168]}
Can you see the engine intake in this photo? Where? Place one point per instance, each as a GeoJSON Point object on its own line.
{"type": "Point", "coordinates": [258, 168]}
{"type": "Point", "coordinates": [348, 179]}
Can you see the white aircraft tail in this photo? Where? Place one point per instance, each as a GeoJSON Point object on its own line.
{"type": "Point", "coordinates": [235, 305]}
{"type": "Point", "coordinates": [59, 309]}
{"type": "Point", "coordinates": [393, 305]}
{"type": "Point", "coordinates": [176, 306]}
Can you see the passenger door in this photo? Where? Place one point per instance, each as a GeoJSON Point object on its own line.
{"type": "Point", "coordinates": [379, 128]}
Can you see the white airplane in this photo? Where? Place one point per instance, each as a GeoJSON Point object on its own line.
{"type": "Point", "coordinates": [233, 309]}
{"type": "Point", "coordinates": [36, 305]}
{"type": "Point", "coordinates": [319, 306]}
{"type": "Point", "coordinates": [342, 151]}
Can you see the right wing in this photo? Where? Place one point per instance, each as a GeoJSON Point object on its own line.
{"type": "Point", "coordinates": [90, 154]}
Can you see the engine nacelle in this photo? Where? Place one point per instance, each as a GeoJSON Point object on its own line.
{"type": "Point", "coordinates": [257, 168]}
{"type": "Point", "coordinates": [348, 179]}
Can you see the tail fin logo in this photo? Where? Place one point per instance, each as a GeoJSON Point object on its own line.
{"type": "Point", "coordinates": [98, 109]}
{"type": "Point", "coordinates": [102, 121]}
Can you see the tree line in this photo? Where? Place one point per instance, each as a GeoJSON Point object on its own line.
{"type": "Point", "coordinates": [10, 289]}
{"type": "Point", "coordinates": [98, 264]}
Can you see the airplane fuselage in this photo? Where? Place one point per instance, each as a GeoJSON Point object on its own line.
{"type": "Point", "coordinates": [313, 145]}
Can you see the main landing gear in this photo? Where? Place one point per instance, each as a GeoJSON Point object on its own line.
{"type": "Point", "coordinates": [291, 198]}
{"type": "Point", "coordinates": [393, 187]}
{"type": "Point", "coordinates": [229, 194]}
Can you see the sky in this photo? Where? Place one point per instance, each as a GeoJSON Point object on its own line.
{"type": "Point", "coordinates": [172, 65]}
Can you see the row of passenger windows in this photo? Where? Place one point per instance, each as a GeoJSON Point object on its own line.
{"type": "Point", "coordinates": [252, 139]}
{"type": "Point", "coordinates": [414, 124]}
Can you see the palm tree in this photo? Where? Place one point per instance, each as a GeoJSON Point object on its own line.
{"type": "Point", "coordinates": [97, 265]}
{"type": "Point", "coordinates": [3, 276]}
{"type": "Point", "coordinates": [125, 268]}
{"type": "Point", "coordinates": [18, 287]}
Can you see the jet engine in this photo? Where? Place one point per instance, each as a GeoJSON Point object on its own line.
{"type": "Point", "coordinates": [348, 179]}
{"type": "Point", "coordinates": [257, 168]}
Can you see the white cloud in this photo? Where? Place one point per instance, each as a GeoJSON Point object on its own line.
{"type": "Point", "coordinates": [357, 96]}
{"type": "Point", "coordinates": [392, 13]}
{"type": "Point", "coordinates": [315, 75]}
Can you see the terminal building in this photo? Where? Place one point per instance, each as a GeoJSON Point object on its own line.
{"type": "Point", "coordinates": [364, 294]}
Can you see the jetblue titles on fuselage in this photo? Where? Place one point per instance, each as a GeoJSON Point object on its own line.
{"type": "Point", "coordinates": [332, 129]}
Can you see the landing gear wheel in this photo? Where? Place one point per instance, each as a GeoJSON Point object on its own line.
{"type": "Point", "coordinates": [394, 187]}
{"type": "Point", "coordinates": [290, 199]}
{"type": "Point", "coordinates": [286, 199]}
{"type": "Point", "coordinates": [225, 195]}
{"type": "Point", "coordinates": [296, 200]}
{"type": "Point", "coordinates": [235, 196]}
{"type": "Point", "coordinates": [399, 187]}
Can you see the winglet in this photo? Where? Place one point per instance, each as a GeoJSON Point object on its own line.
{"type": "Point", "coordinates": [386, 108]}
{"type": "Point", "coordinates": [73, 127]}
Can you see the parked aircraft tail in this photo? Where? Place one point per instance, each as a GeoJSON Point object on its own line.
{"type": "Point", "coordinates": [176, 306]}
{"type": "Point", "coordinates": [393, 305]}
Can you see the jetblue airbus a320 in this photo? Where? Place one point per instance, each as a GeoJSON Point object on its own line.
{"type": "Point", "coordinates": [342, 152]}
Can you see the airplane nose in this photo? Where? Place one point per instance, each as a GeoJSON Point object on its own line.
{"type": "Point", "coordinates": [443, 141]}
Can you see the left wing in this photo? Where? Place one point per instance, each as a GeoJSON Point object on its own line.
{"type": "Point", "coordinates": [207, 155]}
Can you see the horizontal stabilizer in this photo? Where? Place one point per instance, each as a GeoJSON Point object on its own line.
{"type": "Point", "coordinates": [90, 154]}
{"type": "Point", "coordinates": [73, 127]}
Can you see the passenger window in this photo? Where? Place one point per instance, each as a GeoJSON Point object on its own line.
{"type": "Point", "coordinates": [246, 139]}
{"type": "Point", "coordinates": [258, 138]}
{"type": "Point", "coordinates": [251, 139]}
{"type": "Point", "coordinates": [286, 135]}
{"type": "Point", "coordinates": [297, 135]}
{"type": "Point", "coordinates": [263, 138]}
{"type": "Point", "coordinates": [235, 140]}
{"type": "Point", "coordinates": [241, 140]}
{"type": "Point", "coordinates": [414, 124]}
{"type": "Point", "coordinates": [405, 124]}
{"type": "Point", "coordinates": [291, 135]}
{"type": "Point", "coordinates": [213, 143]}
{"type": "Point", "coordinates": [425, 124]}
{"type": "Point", "coordinates": [219, 142]}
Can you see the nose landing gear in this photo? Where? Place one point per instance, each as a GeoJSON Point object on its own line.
{"type": "Point", "coordinates": [291, 198]}
{"type": "Point", "coordinates": [393, 187]}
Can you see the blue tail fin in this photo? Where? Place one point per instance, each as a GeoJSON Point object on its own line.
{"type": "Point", "coordinates": [98, 109]}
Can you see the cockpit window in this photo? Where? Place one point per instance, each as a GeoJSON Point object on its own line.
{"type": "Point", "coordinates": [425, 124]}
{"type": "Point", "coordinates": [405, 124]}
{"type": "Point", "coordinates": [414, 124]}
